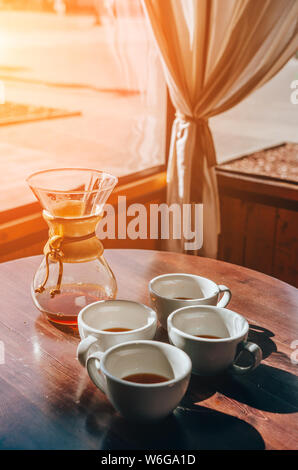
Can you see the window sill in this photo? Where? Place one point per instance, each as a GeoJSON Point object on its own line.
{"type": "Point", "coordinates": [23, 231]}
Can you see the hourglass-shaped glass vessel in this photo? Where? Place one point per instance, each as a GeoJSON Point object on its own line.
{"type": "Point", "coordinates": [73, 272]}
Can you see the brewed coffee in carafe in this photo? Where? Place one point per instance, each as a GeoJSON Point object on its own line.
{"type": "Point", "coordinates": [73, 272]}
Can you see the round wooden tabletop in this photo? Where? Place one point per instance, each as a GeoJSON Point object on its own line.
{"type": "Point", "coordinates": [48, 401]}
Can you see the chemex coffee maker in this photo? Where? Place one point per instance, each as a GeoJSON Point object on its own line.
{"type": "Point", "coordinates": [73, 272]}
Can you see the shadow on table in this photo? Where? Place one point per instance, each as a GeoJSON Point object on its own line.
{"type": "Point", "coordinates": [192, 426]}
{"type": "Point", "coordinates": [266, 388]}
{"type": "Point", "coordinates": [198, 428]}
{"type": "Point", "coordinates": [262, 337]}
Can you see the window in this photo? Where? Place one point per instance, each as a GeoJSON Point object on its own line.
{"type": "Point", "coordinates": [82, 84]}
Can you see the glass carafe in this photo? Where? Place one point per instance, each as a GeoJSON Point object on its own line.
{"type": "Point", "coordinates": [73, 272]}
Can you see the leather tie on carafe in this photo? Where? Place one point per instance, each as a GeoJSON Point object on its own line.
{"type": "Point", "coordinates": [63, 248]}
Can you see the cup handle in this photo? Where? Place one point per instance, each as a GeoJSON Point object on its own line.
{"type": "Point", "coordinates": [227, 294]}
{"type": "Point", "coordinates": [95, 373]}
{"type": "Point", "coordinates": [256, 354]}
{"type": "Point", "coordinates": [83, 348]}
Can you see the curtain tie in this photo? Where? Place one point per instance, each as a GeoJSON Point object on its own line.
{"type": "Point", "coordinates": [188, 118]}
{"type": "Point", "coordinates": [205, 140]}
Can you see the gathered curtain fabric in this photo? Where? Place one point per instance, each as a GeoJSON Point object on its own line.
{"type": "Point", "coordinates": [214, 54]}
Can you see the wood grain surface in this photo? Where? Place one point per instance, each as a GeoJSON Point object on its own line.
{"type": "Point", "coordinates": [47, 400]}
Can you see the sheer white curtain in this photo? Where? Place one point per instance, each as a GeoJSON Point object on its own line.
{"type": "Point", "coordinates": [133, 71]}
{"type": "Point", "coordinates": [214, 53]}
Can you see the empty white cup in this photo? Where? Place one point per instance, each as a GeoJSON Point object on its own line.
{"type": "Point", "coordinates": [212, 356]}
{"type": "Point", "coordinates": [139, 401]}
{"type": "Point", "coordinates": [165, 289]}
{"type": "Point", "coordinates": [106, 314]}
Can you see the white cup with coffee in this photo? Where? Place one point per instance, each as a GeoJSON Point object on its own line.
{"type": "Point", "coordinates": [144, 380]}
{"type": "Point", "coordinates": [170, 292]}
{"type": "Point", "coordinates": [213, 337]}
{"type": "Point", "coordinates": [105, 323]}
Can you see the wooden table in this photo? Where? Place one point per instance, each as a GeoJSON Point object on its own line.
{"type": "Point", "coordinates": [47, 400]}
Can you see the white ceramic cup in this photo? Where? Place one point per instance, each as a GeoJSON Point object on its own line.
{"type": "Point", "coordinates": [106, 314]}
{"type": "Point", "coordinates": [139, 401]}
{"type": "Point", "coordinates": [212, 356]}
{"type": "Point", "coordinates": [165, 289]}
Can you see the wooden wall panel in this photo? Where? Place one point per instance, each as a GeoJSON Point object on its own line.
{"type": "Point", "coordinates": [259, 223]}
{"type": "Point", "coordinates": [259, 237]}
{"type": "Point", "coordinates": [31, 250]}
{"type": "Point", "coordinates": [231, 243]}
{"type": "Point", "coordinates": [285, 263]}
{"type": "Point", "coordinates": [23, 232]}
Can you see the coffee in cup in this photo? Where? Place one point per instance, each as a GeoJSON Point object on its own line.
{"type": "Point", "coordinates": [144, 380]}
{"type": "Point", "coordinates": [105, 323]}
{"type": "Point", "coordinates": [170, 292]}
{"type": "Point", "coordinates": [213, 337]}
